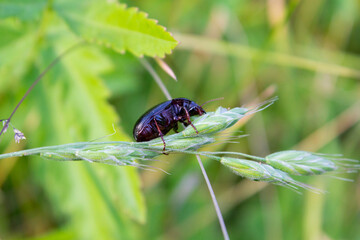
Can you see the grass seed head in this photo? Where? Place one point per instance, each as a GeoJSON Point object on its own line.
{"type": "Point", "coordinates": [217, 121]}
{"type": "Point", "coordinates": [255, 170]}
{"type": "Point", "coordinates": [301, 162]}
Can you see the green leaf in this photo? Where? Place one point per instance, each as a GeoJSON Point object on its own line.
{"type": "Point", "coordinates": [100, 201]}
{"type": "Point", "coordinates": [16, 53]}
{"type": "Point", "coordinates": [115, 26]}
{"type": "Point", "coordinates": [22, 9]}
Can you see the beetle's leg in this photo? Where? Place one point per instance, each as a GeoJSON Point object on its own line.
{"type": "Point", "coordinates": [199, 112]}
{"type": "Point", "coordinates": [176, 127]}
{"type": "Point", "coordinates": [161, 135]}
{"type": "Point", "coordinates": [185, 123]}
{"type": "Point", "coordinates": [188, 119]}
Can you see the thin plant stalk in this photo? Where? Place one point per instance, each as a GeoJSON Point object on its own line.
{"type": "Point", "coordinates": [216, 205]}
{"type": "Point", "coordinates": [156, 77]}
{"type": "Point", "coordinates": [51, 65]}
{"type": "Point", "coordinates": [208, 184]}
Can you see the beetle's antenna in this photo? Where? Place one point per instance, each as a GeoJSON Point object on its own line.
{"type": "Point", "coordinates": [212, 100]}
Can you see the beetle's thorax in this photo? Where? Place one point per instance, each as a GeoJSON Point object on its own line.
{"type": "Point", "coordinates": [182, 104]}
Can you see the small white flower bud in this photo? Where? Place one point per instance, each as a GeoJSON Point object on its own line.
{"type": "Point", "coordinates": [18, 135]}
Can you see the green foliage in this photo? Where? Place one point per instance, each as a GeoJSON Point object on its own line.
{"type": "Point", "coordinates": [75, 88]}
{"type": "Point", "coordinates": [24, 10]}
{"type": "Point", "coordinates": [15, 53]}
{"type": "Point", "coordinates": [115, 26]}
{"type": "Point", "coordinates": [100, 202]}
{"type": "Point", "coordinates": [305, 52]}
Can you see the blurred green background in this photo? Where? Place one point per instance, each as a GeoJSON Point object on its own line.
{"type": "Point", "coordinates": [306, 52]}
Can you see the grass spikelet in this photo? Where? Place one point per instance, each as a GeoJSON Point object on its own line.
{"type": "Point", "coordinates": [263, 172]}
{"type": "Point", "coordinates": [275, 168]}
{"type": "Point", "coordinates": [216, 121]}
{"type": "Point", "coordinates": [301, 162]}
{"type": "Point", "coordinates": [121, 153]}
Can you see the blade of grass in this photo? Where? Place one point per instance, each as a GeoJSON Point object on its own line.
{"type": "Point", "coordinates": [204, 44]}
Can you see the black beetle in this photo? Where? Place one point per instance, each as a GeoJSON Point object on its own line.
{"type": "Point", "coordinates": [165, 116]}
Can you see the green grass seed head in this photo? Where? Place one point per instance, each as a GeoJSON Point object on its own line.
{"type": "Point", "coordinates": [274, 168]}
{"type": "Point", "coordinates": [255, 170]}
{"type": "Point", "coordinates": [300, 162]}
{"type": "Point", "coordinates": [214, 122]}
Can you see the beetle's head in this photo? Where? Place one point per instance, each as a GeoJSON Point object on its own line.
{"type": "Point", "coordinates": [195, 109]}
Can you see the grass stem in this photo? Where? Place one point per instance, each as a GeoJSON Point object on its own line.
{"type": "Point", "coordinates": [216, 205]}
{"type": "Point", "coordinates": [156, 77]}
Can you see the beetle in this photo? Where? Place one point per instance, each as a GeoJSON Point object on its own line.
{"type": "Point", "coordinates": [159, 120]}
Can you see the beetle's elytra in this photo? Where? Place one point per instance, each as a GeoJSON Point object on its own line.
{"type": "Point", "coordinates": [165, 116]}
